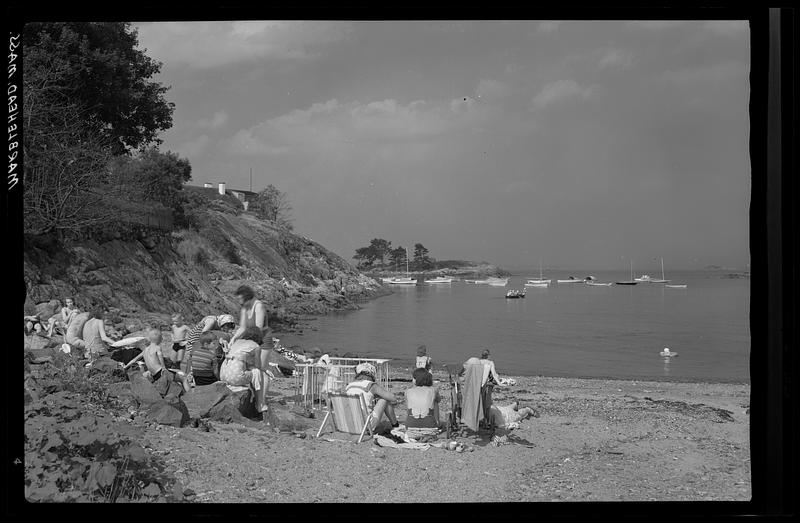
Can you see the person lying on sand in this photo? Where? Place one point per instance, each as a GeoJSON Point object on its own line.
{"type": "Point", "coordinates": [379, 400]}
{"type": "Point", "coordinates": [504, 416]}
{"type": "Point", "coordinates": [154, 360]}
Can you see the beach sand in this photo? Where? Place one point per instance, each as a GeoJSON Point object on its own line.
{"type": "Point", "coordinates": [594, 440]}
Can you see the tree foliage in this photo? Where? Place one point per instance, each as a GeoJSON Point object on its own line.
{"type": "Point", "coordinates": [421, 259]}
{"type": "Point", "coordinates": [273, 205]}
{"type": "Point", "coordinates": [97, 66]}
{"type": "Point", "coordinates": [151, 175]}
{"type": "Point", "coordinates": [398, 255]}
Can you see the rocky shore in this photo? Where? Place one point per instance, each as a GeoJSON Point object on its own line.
{"type": "Point", "coordinates": [593, 440]}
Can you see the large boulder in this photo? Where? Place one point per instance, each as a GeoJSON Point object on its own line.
{"type": "Point", "coordinates": [142, 390]}
{"type": "Point", "coordinates": [219, 403]}
{"type": "Point", "coordinates": [284, 419]}
{"type": "Point", "coordinates": [34, 342]}
{"type": "Point", "coordinates": [171, 412]}
{"type": "Point", "coordinates": [46, 310]}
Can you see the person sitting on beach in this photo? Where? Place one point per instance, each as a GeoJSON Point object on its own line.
{"type": "Point", "coordinates": [206, 358]}
{"type": "Point", "coordinates": [423, 361]}
{"type": "Point", "coordinates": [154, 360]}
{"type": "Point", "coordinates": [223, 322]}
{"type": "Point", "coordinates": [179, 332]}
{"type": "Point", "coordinates": [379, 400]}
{"type": "Point", "coordinates": [68, 311]}
{"type": "Point", "coordinates": [242, 366]}
{"type": "Point", "coordinates": [74, 335]}
{"type": "Point", "coordinates": [253, 312]}
{"type": "Point", "coordinates": [422, 401]}
{"type": "Point", "coordinates": [94, 334]}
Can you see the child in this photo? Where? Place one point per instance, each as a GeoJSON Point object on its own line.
{"type": "Point", "coordinates": [207, 357]}
{"type": "Point", "coordinates": [154, 360]}
{"type": "Point", "coordinates": [423, 360]}
{"type": "Point", "coordinates": [179, 332]}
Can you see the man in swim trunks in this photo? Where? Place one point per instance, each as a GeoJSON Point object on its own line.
{"type": "Point", "coordinates": [179, 333]}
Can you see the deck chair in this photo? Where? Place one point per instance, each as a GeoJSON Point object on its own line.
{"type": "Point", "coordinates": [349, 414]}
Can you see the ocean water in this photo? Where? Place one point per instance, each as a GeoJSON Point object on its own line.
{"type": "Point", "coordinates": [569, 330]}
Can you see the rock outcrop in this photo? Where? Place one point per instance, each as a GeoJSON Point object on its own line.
{"type": "Point", "coordinates": [195, 272]}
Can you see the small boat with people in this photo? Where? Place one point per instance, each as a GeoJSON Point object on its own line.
{"type": "Point", "coordinates": [667, 354]}
{"type": "Point", "coordinates": [515, 293]}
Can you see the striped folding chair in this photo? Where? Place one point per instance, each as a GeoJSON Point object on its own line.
{"type": "Point", "coordinates": [349, 413]}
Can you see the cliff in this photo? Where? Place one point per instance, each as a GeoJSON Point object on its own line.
{"type": "Point", "coordinates": [196, 271]}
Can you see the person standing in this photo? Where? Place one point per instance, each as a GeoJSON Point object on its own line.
{"type": "Point", "coordinates": [253, 313]}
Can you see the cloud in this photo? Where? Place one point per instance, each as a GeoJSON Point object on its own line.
{"type": "Point", "coordinates": [560, 91]}
{"type": "Point", "coordinates": [615, 58]}
{"type": "Point", "coordinates": [212, 44]}
{"type": "Point", "coordinates": [491, 89]}
{"type": "Point", "coordinates": [726, 27]}
{"type": "Point", "coordinates": [193, 148]}
{"type": "Point", "coordinates": [548, 26]}
{"type": "Point", "coordinates": [657, 25]}
{"type": "Point", "coordinates": [219, 119]}
{"type": "Point", "coordinates": [336, 126]}
{"type": "Point", "coordinates": [710, 75]}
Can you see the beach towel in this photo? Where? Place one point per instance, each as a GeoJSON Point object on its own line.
{"type": "Point", "coordinates": [507, 382]}
{"type": "Point", "coordinates": [383, 441]}
{"type": "Point", "coordinates": [471, 403]}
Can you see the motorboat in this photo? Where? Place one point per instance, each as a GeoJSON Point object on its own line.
{"type": "Point", "coordinates": [572, 279]}
{"type": "Point", "coordinates": [440, 279]}
{"type": "Point", "coordinates": [514, 293]}
{"type": "Point", "coordinates": [598, 284]}
{"type": "Point", "coordinates": [494, 281]}
{"type": "Point", "coordinates": [682, 286]}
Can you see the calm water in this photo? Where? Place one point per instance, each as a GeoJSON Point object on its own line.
{"type": "Point", "coordinates": [571, 330]}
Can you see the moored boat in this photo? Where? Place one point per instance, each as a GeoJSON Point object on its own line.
{"type": "Point", "coordinates": [572, 279]}
{"type": "Point", "coordinates": [440, 279]}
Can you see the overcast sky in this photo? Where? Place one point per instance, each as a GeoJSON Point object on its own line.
{"type": "Point", "coordinates": [582, 143]}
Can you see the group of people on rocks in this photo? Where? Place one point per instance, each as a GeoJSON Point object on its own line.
{"type": "Point", "coordinates": [216, 348]}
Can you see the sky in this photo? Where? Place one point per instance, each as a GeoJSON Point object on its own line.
{"type": "Point", "coordinates": [580, 144]}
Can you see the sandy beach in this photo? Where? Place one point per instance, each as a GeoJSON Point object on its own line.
{"type": "Point", "coordinates": [594, 440]}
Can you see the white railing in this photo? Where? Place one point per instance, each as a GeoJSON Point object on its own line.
{"type": "Point", "coordinates": [314, 381]}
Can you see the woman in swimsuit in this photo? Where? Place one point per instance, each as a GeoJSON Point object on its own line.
{"type": "Point", "coordinates": [422, 401]}
{"type": "Point", "coordinates": [253, 312]}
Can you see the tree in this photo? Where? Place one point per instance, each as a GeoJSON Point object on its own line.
{"type": "Point", "coordinates": [381, 248]}
{"type": "Point", "coordinates": [398, 256]}
{"type": "Point", "coordinates": [273, 205]}
{"type": "Point", "coordinates": [421, 258]}
{"type": "Point", "coordinates": [151, 175]}
{"type": "Point", "coordinates": [66, 180]}
{"type": "Point", "coordinates": [365, 256]}
{"type": "Point", "coordinates": [98, 68]}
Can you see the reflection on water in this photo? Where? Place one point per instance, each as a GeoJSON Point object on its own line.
{"type": "Point", "coordinates": [666, 366]}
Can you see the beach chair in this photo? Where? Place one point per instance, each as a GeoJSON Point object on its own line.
{"type": "Point", "coordinates": [349, 414]}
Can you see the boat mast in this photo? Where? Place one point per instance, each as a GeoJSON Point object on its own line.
{"type": "Point", "coordinates": [406, 262]}
{"type": "Point", "coordinates": [631, 270]}
{"type": "Point", "coordinates": [662, 268]}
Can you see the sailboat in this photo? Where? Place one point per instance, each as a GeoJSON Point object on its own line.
{"type": "Point", "coordinates": [440, 279]}
{"type": "Point", "coordinates": [646, 278]}
{"type": "Point", "coordinates": [407, 280]}
{"type": "Point", "coordinates": [632, 281]}
{"type": "Point", "coordinates": [538, 281]}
